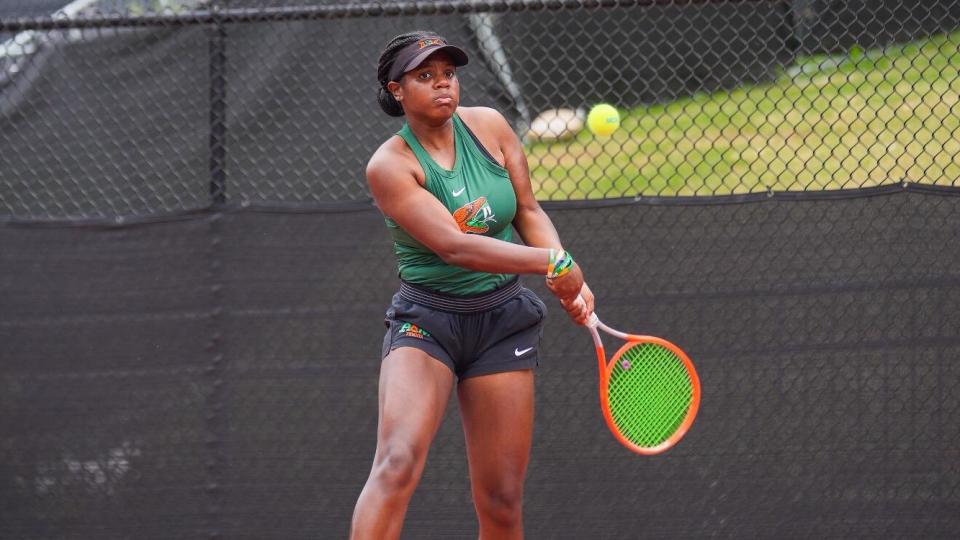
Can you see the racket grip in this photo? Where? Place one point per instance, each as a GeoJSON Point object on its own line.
{"type": "Point", "coordinates": [593, 320]}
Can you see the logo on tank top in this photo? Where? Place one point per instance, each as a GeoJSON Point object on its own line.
{"type": "Point", "coordinates": [474, 216]}
{"type": "Point", "coordinates": [412, 330]}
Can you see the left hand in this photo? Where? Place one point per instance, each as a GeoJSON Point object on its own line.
{"type": "Point", "coordinates": [578, 311]}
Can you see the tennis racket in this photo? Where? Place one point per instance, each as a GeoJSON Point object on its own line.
{"type": "Point", "coordinates": [649, 390]}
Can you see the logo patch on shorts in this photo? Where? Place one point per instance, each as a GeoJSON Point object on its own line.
{"type": "Point", "coordinates": [412, 330]}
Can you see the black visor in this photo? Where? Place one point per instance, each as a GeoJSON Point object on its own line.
{"type": "Point", "coordinates": [411, 56]}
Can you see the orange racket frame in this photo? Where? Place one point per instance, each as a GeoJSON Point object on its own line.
{"type": "Point", "coordinates": [606, 367]}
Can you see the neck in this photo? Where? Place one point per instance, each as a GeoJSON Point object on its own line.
{"type": "Point", "coordinates": [432, 134]}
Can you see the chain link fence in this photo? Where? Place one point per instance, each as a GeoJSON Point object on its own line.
{"type": "Point", "coordinates": [193, 277]}
{"type": "Point", "coordinates": [116, 108]}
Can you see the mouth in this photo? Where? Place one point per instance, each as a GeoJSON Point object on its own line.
{"type": "Point", "coordinates": [443, 100]}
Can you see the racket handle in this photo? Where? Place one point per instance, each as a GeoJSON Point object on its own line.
{"type": "Point", "coordinates": [593, 321]}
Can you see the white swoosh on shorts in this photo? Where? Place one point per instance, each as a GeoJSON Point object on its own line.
{"type": "Point", "coordinates": [518, 352]}
{"type": "Point", "coordinates": [457, 193]}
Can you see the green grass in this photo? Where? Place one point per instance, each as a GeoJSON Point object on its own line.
{"type": "Point", "coordinates": [867, 118]}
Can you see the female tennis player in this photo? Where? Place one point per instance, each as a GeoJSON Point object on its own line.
{"type": "Point", "coordinates": [450, 184]}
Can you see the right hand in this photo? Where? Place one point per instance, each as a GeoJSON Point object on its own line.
{"type": "Point", "coordinates": [582, 306]}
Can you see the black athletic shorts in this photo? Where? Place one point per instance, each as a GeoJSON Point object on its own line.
{"type": "Point", "coordinates": [472, 335]}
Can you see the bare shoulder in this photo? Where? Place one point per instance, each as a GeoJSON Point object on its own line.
{"type": "Point", "coordinates": [393, 158]}
{"type": "Point", "coordinates": [484, 118]}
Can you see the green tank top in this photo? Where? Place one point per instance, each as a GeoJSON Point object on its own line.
{"type": "Point", "coordinates": [478, 192]}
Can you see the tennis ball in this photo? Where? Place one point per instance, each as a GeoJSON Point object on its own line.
{"type": "Point", "coordinates": [603, 119]}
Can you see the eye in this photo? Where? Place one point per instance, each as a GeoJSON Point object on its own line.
{"type": "Point", "coordinates": [424, 75]}
{"type": "Point", "coordinates": [451, 73]}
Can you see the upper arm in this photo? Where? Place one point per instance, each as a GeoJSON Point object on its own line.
{"type": "Point", "coordinates": [400, 197]}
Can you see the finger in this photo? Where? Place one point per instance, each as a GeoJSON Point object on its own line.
{"type": "Point", "coordinates": [579, 312]}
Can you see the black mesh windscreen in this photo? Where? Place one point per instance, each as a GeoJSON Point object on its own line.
{"type": "Point", "coordinates": [220, 373]}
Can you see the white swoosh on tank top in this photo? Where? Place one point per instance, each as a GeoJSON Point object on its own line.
{"type": "Point", "coordinates": [458, 192]}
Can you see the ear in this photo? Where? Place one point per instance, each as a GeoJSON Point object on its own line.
{"type": "Point", "coordinates": [394, 88]}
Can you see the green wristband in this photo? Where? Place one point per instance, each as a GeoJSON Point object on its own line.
{"type": "Point", "coordinates": [561, 262]}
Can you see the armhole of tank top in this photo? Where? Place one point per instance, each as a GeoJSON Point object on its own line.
{"type": "Point", "coordinates": [483, 149]}
{"type": "Point", "coordinates": [423, 167]}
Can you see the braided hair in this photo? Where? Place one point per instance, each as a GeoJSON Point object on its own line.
{"type": "Point", "coordinates": [387, 102]}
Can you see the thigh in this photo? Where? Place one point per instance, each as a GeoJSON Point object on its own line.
{"type": "Point", "coordinates": [413, 395]}
{"type": "Point", "coordinates": [497, 412]}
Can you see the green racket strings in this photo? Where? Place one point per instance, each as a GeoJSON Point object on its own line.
{"type": "Point", "coordinates": [649, 393]}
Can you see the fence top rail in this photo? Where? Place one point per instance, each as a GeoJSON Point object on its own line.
{"type": "Point", "coordinates": [216, 15]}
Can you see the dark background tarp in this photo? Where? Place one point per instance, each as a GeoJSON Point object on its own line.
{"type": "Point", "coordinates": [219, 373]}
{"type": "Point", "coordinates": [628, 56]}
{"type": "Point", "coordinates": [834, 26]}
{"type": "Point", "coordinates": [625, 58]}
{"type": "Point", "coordinates": [118, 123]}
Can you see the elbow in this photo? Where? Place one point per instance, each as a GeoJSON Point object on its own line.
{"type": "Point", "coordinates": [452, 253]}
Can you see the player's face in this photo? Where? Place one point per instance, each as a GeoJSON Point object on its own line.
{"type": "Point", "coordinates": [432, 89]}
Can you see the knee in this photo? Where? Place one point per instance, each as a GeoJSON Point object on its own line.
{"type": "Point", "coordinates": [502, 503]}
{"type": "Point", "coordinates": [396, 469]}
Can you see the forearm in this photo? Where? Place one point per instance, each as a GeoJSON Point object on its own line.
{"type": "Point", "coordinates": [536, 229]}
{"type": "Point", "coordinates": [484, 254]}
